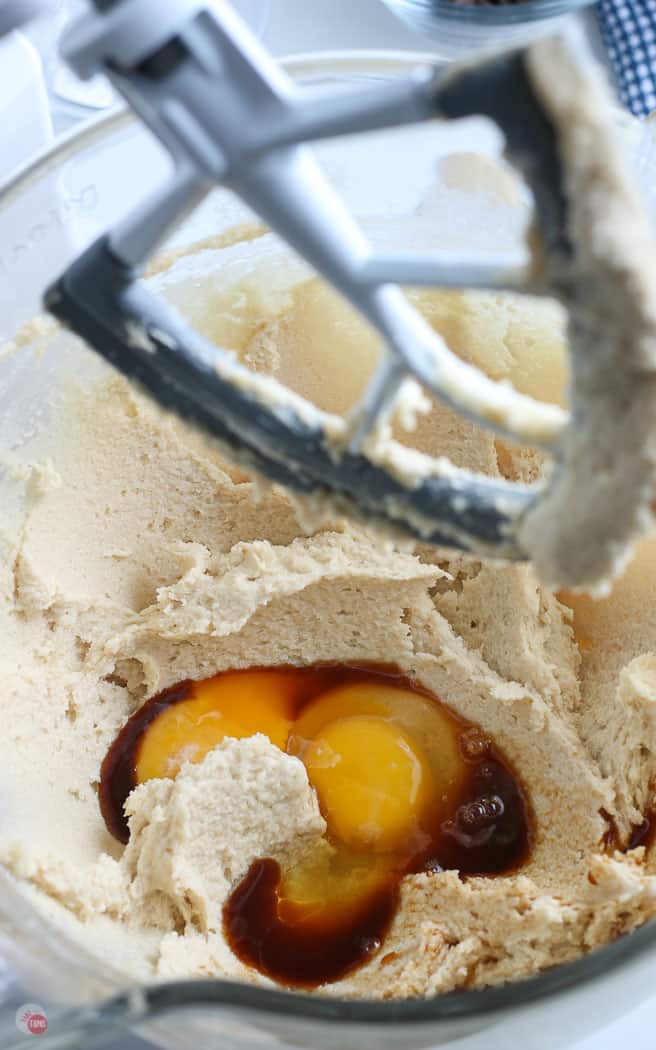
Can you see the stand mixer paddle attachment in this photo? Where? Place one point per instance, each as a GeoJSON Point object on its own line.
{"type": "Point", "coordinates": [228, 114]}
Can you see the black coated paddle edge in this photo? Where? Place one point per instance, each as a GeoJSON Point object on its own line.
{"type": "Point", "coordinates": [141, 336]}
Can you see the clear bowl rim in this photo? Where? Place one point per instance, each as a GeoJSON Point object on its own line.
{"type": "Point", "coordinates": [330, 63]}
{"type": "Point", "coordinates": [450, 1006]}
{"type": "Point", "coordinates": [160, 997]}
{"type": "Point", "coordinates": [491, 16]}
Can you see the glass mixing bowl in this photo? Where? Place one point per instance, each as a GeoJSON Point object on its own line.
{"type": "Point", "coordinates": [414, 188]}
{"type": "Point", "coordinates": [458, 28]}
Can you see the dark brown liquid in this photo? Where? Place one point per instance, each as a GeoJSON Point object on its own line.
{"type": "Point", "coordinates": [643, 834]}
{"type": "Point", "coordinates": [302, 953]}
{"type": "Point", "coordinates": [488, 833]}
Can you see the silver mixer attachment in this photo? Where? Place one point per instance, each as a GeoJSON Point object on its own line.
{"type": "Point", "coordinates": [228, 114]}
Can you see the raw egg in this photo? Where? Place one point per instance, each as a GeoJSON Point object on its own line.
{"type": "Point", "coordinates": [235, 704]}
{"type": "Point", "coordinates": [373, 782]}
{"type": "Point", "coordinates": [403, 784]}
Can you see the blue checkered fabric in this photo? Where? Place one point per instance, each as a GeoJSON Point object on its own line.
{"type": "Point", "coordinates": [629, 31]}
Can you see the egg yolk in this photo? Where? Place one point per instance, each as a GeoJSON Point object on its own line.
{"type": "Point", "coordinates": [402, 783]}
{"type": "Point", "coordinates": [372, 781]}
{"type": "Point", "coordinates": [377, 755]}
{"type": "Point", "coordinates": [234, 704]}
{"type": "Point", "coordinates": [428, 731]}
{"type": "Point", "coordinates": [329, 880]}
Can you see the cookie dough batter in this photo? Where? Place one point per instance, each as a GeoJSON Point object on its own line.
{"type": "Point", "coordinates": [140, 558]}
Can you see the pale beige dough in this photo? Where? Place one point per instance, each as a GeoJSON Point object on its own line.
{"type": "Point", "coordinates": [142, 559]}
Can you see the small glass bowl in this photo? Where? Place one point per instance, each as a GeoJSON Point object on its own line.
{"type": "Point", "coordinates": [457, 29]}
